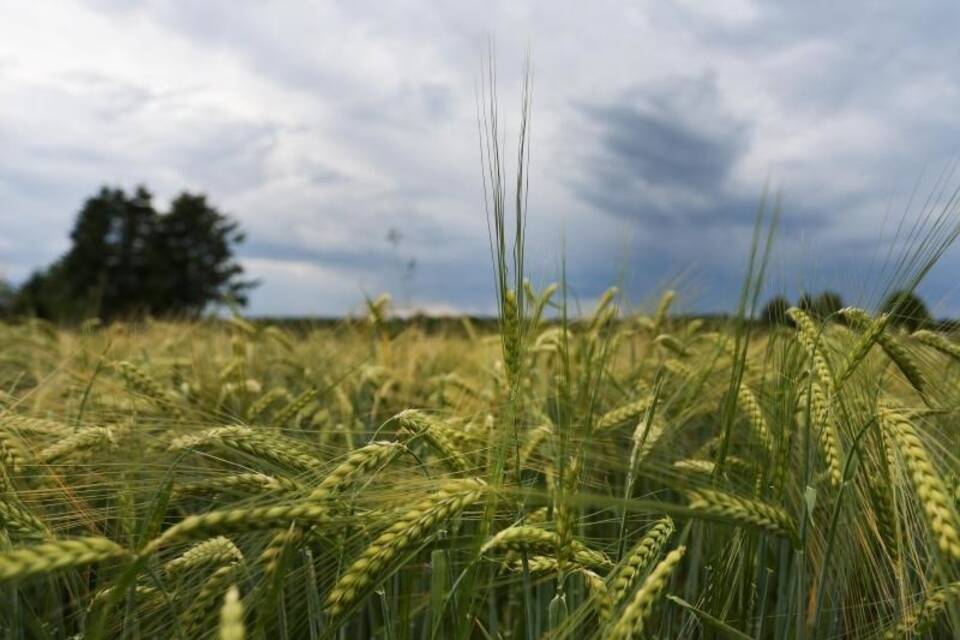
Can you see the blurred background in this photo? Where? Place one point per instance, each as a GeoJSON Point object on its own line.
{"type": "Point", "coordinates": [340, 140]}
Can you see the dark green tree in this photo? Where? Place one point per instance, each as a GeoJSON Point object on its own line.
{"type": "Point", "coordinates": [775, 311]}
{"type": "Point", "coordinates": [907, 310]}
{"type": "Point", "coordinates": [126, 259]}
{"type": "Point", "coordinates": [827, 304]}
{"type": "Point", "coordinates": [195, 244]}
{"type": "Point", "coordinates": [806, 303]}
{"type": "Point", "coordinates": [7, 293]}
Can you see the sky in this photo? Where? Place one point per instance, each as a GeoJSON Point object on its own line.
{"type": "Point", "coordinates": [343, 137]}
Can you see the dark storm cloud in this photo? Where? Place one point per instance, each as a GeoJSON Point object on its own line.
{"type": "Point", "coordinates": [665, 155]}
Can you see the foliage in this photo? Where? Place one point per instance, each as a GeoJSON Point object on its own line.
{"type": "Point", "coordinates": [906, 309]}
{"type": "Point", "coordinates": [775, 311]}
{"type": "Point", "coordinates": [823, 306]}
{"type": "Point", "coordinates": [827, 304]}
{"type": "Point", "coordinates": [127, 259]}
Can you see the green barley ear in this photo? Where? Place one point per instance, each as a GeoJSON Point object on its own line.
{"type": "Point", "coordinates": [540, 304]}
{"type": "Point", "coordinates": [365, 459]}
{"type": "Point", "coordinates": [231, 616]}
{"type": "Point", "coordinates": [636, 612]}
{"type": "Point", "coordinates": [600, 596]}
{"type": "Point", "coordinates": [89, 438]}
{"type": "Point", "coordinates": [408, 530]}
{"type": "Point", "coordinates": [436, 434]}
{"type": "Point", "coordinates": [12, 454]}
{"type": "Point", "coordinates": [18, 522]}
{"type": "Point", "coordinates": [266, 401]}
{"type": "Point", "coordinates": [213, 552]}
{"type": "Point", "coordinates": [238, 520]}
{"type": "Point", "coordinates": [138, 381]}
{"type": "Point", "coordinates": [810, 337]}
{"type": "Point", "coordinates": [749, 405]}
{"type": "Point", "coordinates": [521, 538]}
{"type": "Point", "coordinates": [204, 602]}
{"type": "Point", "coordinates": [672, 344]}
{"type": "Point", "coordinates": [273, 555]}
{"type": "Point", "coordinates": [663, 308]}
{"type": "Point", "coordinates": [637, 559]}
{"type": "Point", "coordinates": [874, 331]}
{"type": "Point", "coordinates": [934, 497]}
{"type": "Point", "coordinates": [918, 619]}
{"type": "Point", "coordinates": [938, 342]}
{"type": "Point", "coordinates": [252, 483]}
{"type": "Point", "coordinates": [625, 413]}
{"type": "Point", "coordinates": [870, 332]}
{"type": "Point", "coordinates": [285, 416]}
{"type": "Point", "coordinates": [47, 557]}
{"type": "Point", "coordinates": [741, 511]}
{"type": "Point", "coordinates": [828, 436]}
{"type": "Point", "coordinates": [257, 443]}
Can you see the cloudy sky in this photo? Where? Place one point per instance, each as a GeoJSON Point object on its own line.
{"type": "Point", "coordinates": [322, 126]}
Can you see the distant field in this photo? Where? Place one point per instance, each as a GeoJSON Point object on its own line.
{"type": "Point", "coordinates": [619, 477]}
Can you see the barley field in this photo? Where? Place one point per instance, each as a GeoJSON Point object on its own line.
{"type": "Point", "coordinates": [617, 476]}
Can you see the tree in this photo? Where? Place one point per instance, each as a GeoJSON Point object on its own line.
{"type": "Point", "coordinates": [907, 310]}
{"type": "Point", "coordinates": [126, 259]}
{"type": "Point", "coordinates": [6, 297]}
{"type": "Point", "coordinates": [775, 312]}
{"type": "Point", "coordinates": [195, 242]}
{"type": "Point", "coordinates": [827, 304]}
{"type": "Point", "coordinates": [805, 303]}
{"type": "Point", "coordinates": [822, 307]}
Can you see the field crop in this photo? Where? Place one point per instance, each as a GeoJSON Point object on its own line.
{"type": "Point", "coordinates": [608, 474]}
{"type": "Point", "coordinates": [619, 476]}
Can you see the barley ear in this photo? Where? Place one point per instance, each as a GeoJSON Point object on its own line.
{"type": "Point", "coordinates": [59, 554]}
{"type": "Point", "coordinates": [934, 497]}
{"type": "Point", "coordinates": [637, 611]}
{"type": "Point", "coordinates": [231, 616]}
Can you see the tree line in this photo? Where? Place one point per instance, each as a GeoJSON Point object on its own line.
{"type": "Point", "coordinates": [127, 259]}
{"type": "Point", "coordinates": [906, 309]}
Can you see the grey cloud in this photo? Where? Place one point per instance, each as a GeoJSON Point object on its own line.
{"type": "Point", "coordinates": [665, 156]}
{"type": "Point", "coordinates": [354, 117]}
